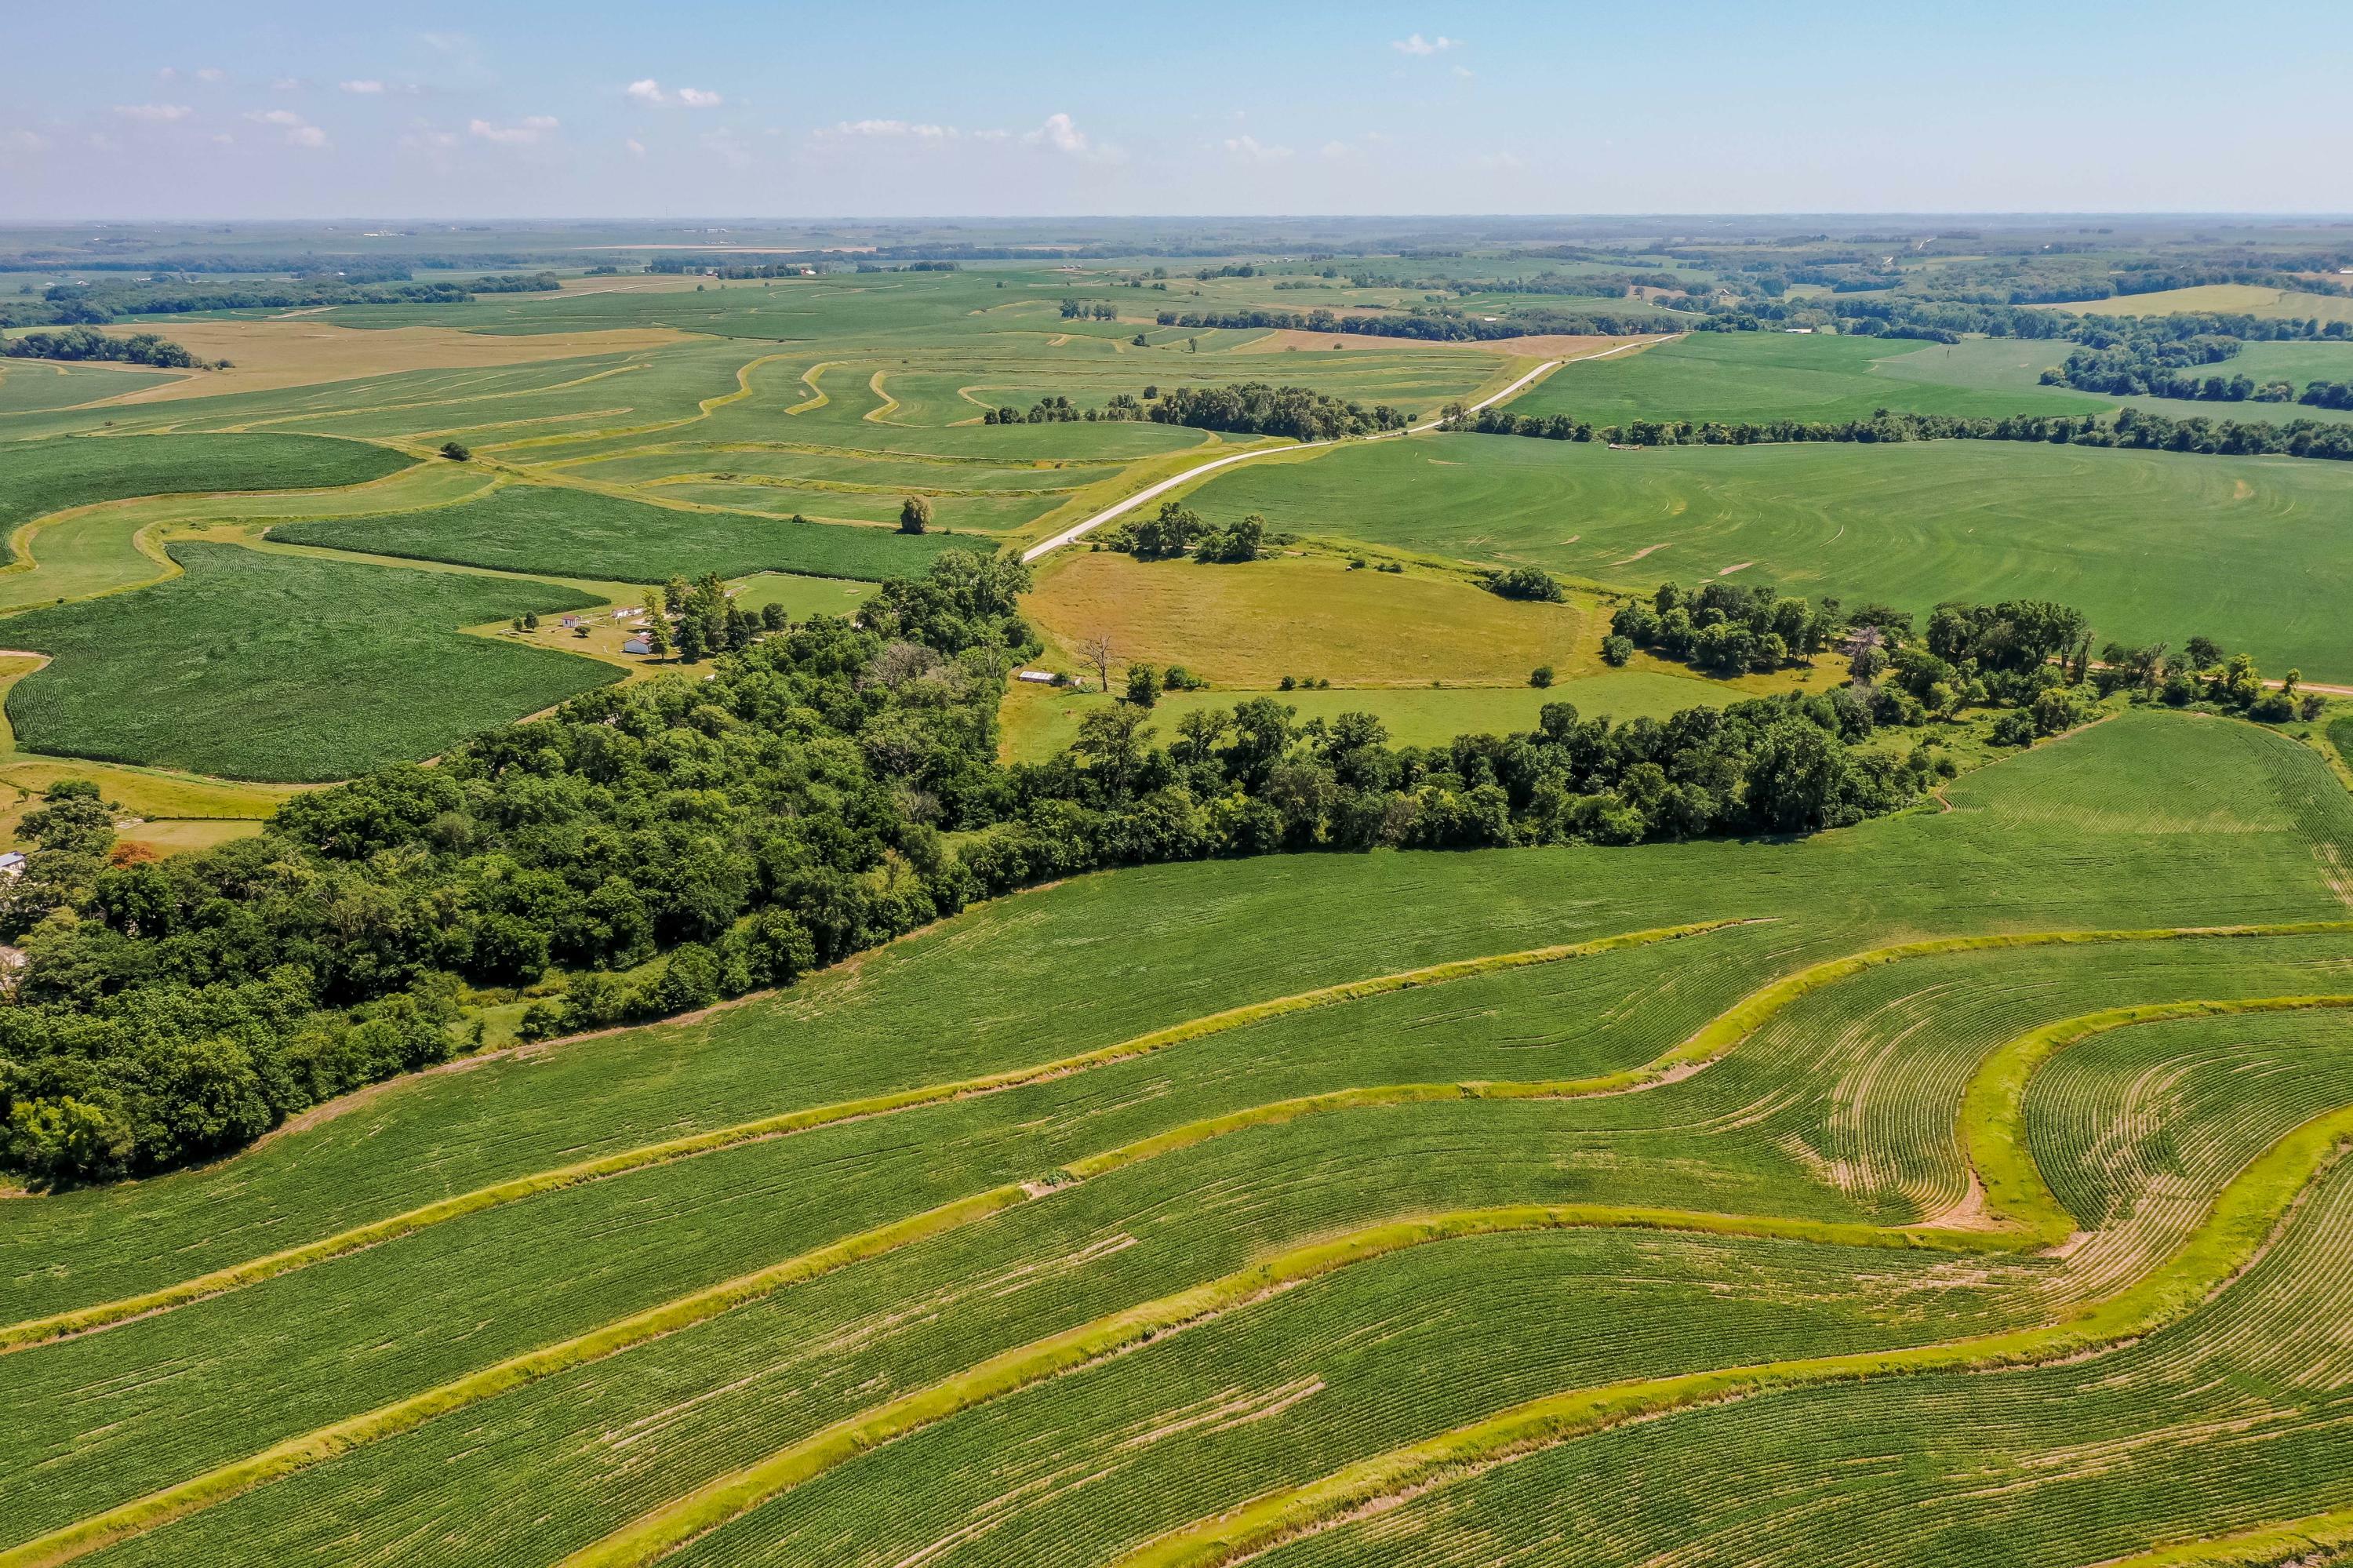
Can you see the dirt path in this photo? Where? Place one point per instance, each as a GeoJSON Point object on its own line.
{"type": "Point", "coordinates": [1121, 508]}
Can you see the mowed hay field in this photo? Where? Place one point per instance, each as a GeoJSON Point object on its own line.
{"type": "Point", "coordinates": [1401, 1230]}
{"type": "Point", "coordinates": [2255, 552]}
{"type": "Point", "coordinates": [273, 666]}
{"type": "Point", "coordinates": [2232, 299]}
{"type": "Point", "coordinates": [1303, 616]}
{"type": "Point", "coordinates": [585, 532]}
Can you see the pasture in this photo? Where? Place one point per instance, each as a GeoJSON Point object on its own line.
{"type": "Point", "coordinates": [2234, 299]}
{"type": "Point", "coordinates": [2153, 546]}
{"type": "Point", "coordinates": [275, 666]}
{"type": "Point", "coordinates": [1166, 1240]}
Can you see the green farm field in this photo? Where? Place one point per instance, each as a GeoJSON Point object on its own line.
{"type": "Point", "coordinates": [1731, 376]}
{"type": "Point", "coordinates": [2152, 546]}
{"type": "Point", "coordinates": [1862, 1084]}
{"type": "Point", "coordinates": [275, 666]}
{"type": "Point", "coordinates": [570, 532]}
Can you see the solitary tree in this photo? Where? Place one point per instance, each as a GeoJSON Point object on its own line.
{"type": "Point", "coordinates": [1143, 685]}
{"type": "Point", "coordinates": [1098, 650]}
{"type": "Point", "coordinates": [456, 451]}
{"type": "Point", "coordinates": [914, 515]}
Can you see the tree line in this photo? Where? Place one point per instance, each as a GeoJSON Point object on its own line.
{"type": "Point", "coordinates": [1259, 408]}
{"type": "Point", "coordinates": [651, 847]}
{"type": "Point", "coordinates": [1430, 324]}
{"type": "Point", "coordinates": [83, 343]}
{"type": "Point", "coordinates": [2128, 428]}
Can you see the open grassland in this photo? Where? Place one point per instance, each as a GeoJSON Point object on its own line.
{"type": "Point", "coordinates": [272, 666]}
{"type": "Point", "coordinates": [1741, 375]}
{"type": "Point", "coordinates": [2235, 298]}
{"type": "Point", "coordinates": [1040, 721]}
{"type": "Point", "coordinates": [1303, 616]}
{"type": "Point", "coordinates": [2153, 546]}
{"type": "Point", "coordinates": [42, 477]}
{"type": "Point", "coordinates": [584, 532]}
{"type": "Point", "coordinates": [1142, 1218]}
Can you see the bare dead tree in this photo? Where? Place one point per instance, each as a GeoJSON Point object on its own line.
{"type": "Point", "coordinates": [1098, 650]}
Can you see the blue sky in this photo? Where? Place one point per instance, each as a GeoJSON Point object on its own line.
{"type": "Point", "coordinates": [594, 107]}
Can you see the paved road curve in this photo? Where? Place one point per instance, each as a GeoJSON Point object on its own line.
{"type": "Point", "coordinates": [1121, 508]}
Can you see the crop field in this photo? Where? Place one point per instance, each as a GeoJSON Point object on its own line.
{"type": "Point", "coordinates": [1734, 377]}
{"type": "Point", "coordinates": [2152, 546]}
{"type": "Point", "coordinates": [1844, 1199]}
{"type": "Point", "coordinates": [52, 476]}
{"type": "Point", "coordinates": [257, 665]}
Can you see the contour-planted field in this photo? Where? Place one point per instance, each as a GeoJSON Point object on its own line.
{"type": "Point", "coordinates": [41, 477]}
{"type": "Point", "coordinates": [258, 665]}
{"type": "Point", "coordinates": [1385, 1208]}
{"type": "Point", "coordinates": [2152, 546]}
{"type": "Point", "coordinates": [583, 533]}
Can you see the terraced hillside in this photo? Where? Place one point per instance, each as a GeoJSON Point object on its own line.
{"type": "Point", "coordinates": [1944, 1189]}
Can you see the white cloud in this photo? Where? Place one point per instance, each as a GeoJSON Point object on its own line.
{"type": "Point", "coordinates": [1508, 163]}
{"type": "Point", "coordinates": [23, 142]}
{"type": "Point", "coordinates": [1338, 150]}
{"type": "Point", "coordinates": [1063, 135]}
{"type": "Point", "coordinates": [285, 84]}
{"type": "Point", "coordinates": [646, 90]}
{"type": "Point", "coordinates": [447, 42]}
{"type": "Point", "coordinates": [1464, 72]}
{"type": "Point", "coordinates": [169, 73]}
{"type": "Point", "coordinates": [892, 130]}
{"type": "Point", "coordinates": [299, 132]}
{"type": "Point", "coordinates": [154, 113]}
{"type": "Point", "coordinates": [636, 148]}
{"type": "Point", "coordinates": [531, 129]}
{"type": "Point", "coordinates": [212, 75]}
{"type": "Point", "coordinates": [223, 139]}
{"type": "Point", "coordinates": [368, 86]}
{"type": "Point", "coordinates": [1250, 147]}
{"type": "Point", "coordinates": [424, 139]}
{"type": "Point", "coordinates": [1417, 44]}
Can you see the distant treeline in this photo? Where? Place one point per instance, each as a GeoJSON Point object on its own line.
{"type": "Point", "coordinates": [2131, 428]}
{"type": "Point", "coordinates": [82, 343]}
{"type": "Point", "coordinates": [1441, 326]}
{"type": "Point", "coordinates": [354, 269]}
{"type": "Point", "coordinates": [80, 304]}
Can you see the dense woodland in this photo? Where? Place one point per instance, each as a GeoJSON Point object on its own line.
{"type": "Point", "coordinates": [666, 844]}
{"type": "Point", "coordinates": [82, 343]}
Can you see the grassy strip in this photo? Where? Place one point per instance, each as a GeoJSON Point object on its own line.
{"type": "Point", "coordinates": [60, 1325]}
{"type": "Point", "coordinates": [1994, 1133]}
{"type": "Point", "coordinates": [664, 1530]}
{"type": "Point", "coordinates": [1993, 1108]}
{"type": "Point", "coordinates": [2237, 1227]}
{"type": "Point", "coordinates": [2321, 1538]}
